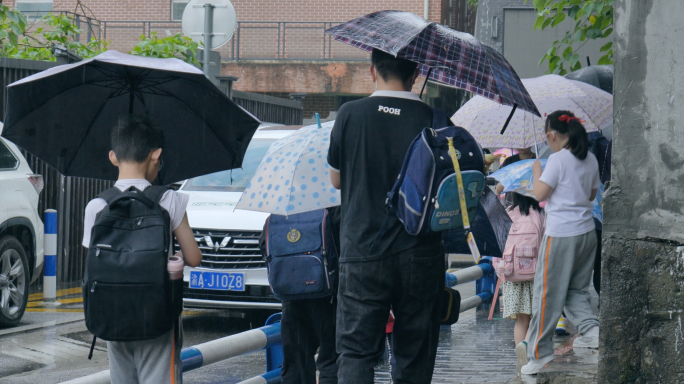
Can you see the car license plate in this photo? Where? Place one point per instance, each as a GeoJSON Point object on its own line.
{"type": "Point", "coordinates": [230, 281]}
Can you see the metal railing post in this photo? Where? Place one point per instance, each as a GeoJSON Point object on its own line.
{"type": "Point", "coordinates": [278, 53]}
{"type": "Point", "coordinates": [78, 25]}
{"type": "Point", "coordinates": [238, 43]}
{"type": "Point", "coordinates": [89, 33]}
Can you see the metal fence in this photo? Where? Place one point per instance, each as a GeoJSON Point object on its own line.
{"type": "Point", "coordinates": [69, 196]}
{"type": "Point", "coordinates": [253, 40]}
{"type": "Point", "coordinates": [270, 109]}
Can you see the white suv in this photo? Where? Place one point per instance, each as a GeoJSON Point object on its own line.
{"type": "Point", "coordinates": [233, 269]}
{"type": "Point", "coordinates": [21, 232]}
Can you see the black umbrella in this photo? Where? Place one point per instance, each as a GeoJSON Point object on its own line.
{"type": "Point", "coordinates": [490, 229]}
{"type": "Point", "coordinates": [600, 76]}
{"type": "Point", "coordinates": [64, 115]}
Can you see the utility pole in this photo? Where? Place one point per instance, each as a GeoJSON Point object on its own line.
{"type": "Point", "coordinates": [642, 288]}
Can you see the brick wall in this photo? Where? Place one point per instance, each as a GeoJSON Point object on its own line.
{"type": "Point", "coordinates": [253, 10]}
{"type": "Point", "coordinates": [303, 76]}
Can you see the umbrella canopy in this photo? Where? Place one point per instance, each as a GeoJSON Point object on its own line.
{"type": "Point", "coordinates": [65, 115]}
{"type": "Point", "coordinates": [294, 176]}
{"type": "Point", "coordinates": [450, 57]}
{"type": "Point", "coordinates": [490, 229]}
{"type": "Point", "coordinates": [600, 76]}
{"type": "Point", "coordinates": [597, 208]}
{"type": "Point", "coordinates": [482, 117]}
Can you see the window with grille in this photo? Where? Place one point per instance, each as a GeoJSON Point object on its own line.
{"type": "Point", "coordinates": [34, 8]}
{"type": "Point", "coordinates": [177, 8]}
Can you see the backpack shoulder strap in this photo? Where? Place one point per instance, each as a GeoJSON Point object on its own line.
{"type": "Point", "coordinates": [156, 192]}
{"type": "Point", "coordinates": [110, 194]}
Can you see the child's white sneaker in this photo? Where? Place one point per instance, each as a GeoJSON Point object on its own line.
{"type": "Point", "coordinates": [534, 366]}
{"type": "Point", "coordinates": [590, 339]}
{"type": "Point", "coordinates": [521, 352]}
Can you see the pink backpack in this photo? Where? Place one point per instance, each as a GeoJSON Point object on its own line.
{"type": "Point", "coordinates": [519, 261]}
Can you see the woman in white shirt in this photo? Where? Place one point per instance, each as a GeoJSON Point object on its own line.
{"type": "Point", "coordinates": [566, 258]}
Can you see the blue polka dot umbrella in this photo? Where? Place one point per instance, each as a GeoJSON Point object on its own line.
{"type": "Point", "coordinates": [294, 176]}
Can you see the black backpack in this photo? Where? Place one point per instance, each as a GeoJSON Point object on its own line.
{"type": "Point", "coordinates": [127, 293]}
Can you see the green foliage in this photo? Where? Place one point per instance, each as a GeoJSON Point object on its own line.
{"type": "Point", "coordinates": [19, 42]}
{"type": "Point", "coordinates": [593, 20]}
{"type": "Point", "coordinates": [178, 46]}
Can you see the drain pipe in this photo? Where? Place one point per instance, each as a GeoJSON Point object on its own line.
{"type": "Point", "coordinates": [426, 10]}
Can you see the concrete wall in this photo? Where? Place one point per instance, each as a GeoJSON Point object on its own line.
{"type": "Point", "coordinates": [487, 11]}
{"type": "Point", "coordinates": [524, 46]}
{"type": "Point", "coordinates": [642, 306]}
{"type": "Point", "coordinates": [519, 42]}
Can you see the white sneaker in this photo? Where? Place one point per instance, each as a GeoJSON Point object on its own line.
{"type": "Point", "coordinates": [521, 352]}
{"type": "Point", "coordinates": [589, 340]}
{"type": "Point", "coordinates": [534, 366]}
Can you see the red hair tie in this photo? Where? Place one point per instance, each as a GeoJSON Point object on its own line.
{"type": "Point", "coordinates": [568, 119]}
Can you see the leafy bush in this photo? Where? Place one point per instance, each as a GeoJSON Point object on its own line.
{"type": "Point", "coordinates": [18, 42]}
{"type": "Point", "coordinates": [178, 46]}
{"type": "Point", "coordinates": [593, 20]}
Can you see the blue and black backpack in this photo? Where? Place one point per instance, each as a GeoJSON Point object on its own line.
{"type": "Point", "coordinates": [425, 195]}
{"type": "Point", "coordinates": [301, 255]}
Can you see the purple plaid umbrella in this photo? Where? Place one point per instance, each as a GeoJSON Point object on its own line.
{"type": "Point", "coordinates": [450, 57]}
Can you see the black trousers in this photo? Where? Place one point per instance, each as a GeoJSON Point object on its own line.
{"type": "Point", "coordinates": [410, 282]}
{"type": "Point", "coordinates": [305, 327]}
{"type": "Point", "coordinates": [597, 263]}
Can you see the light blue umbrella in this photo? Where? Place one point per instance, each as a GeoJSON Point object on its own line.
{"type": "Point", "coordinates": [597, 209]}
{"type": "Point", "coordinates": [518, 177]}
{"type": "Point", "coordinates": [294, 176]}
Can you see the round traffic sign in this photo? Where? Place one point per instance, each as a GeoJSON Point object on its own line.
{"type": "Point", "coordinates": [224, 21]}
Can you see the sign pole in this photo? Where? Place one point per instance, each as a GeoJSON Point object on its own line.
{"type": "Point", "coordinates": [208, 31]}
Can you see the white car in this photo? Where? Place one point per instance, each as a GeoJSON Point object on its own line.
{"type": "Point", "coordinates": [21, 232]}
{"type": "Point", "coordinates": [232, 273]}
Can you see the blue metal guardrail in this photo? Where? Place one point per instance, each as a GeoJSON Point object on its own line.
{"type": "Point", "coordinates": [201, 355]}
{"type": "Point", "coordinates": [268, 336]}
{"type": "Point", "coordinates": [485, 282]}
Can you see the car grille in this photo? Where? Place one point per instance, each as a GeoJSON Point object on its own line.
{"type": "Point", "coordinates": [228, 249]}
{"type": "Point", "coordinates": [253, 293]}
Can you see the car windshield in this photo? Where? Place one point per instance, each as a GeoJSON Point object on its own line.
{"type": "Point", "coordinates": [234, 180]}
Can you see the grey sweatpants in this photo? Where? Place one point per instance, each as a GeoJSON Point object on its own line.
{"type": "Point", "coordinates": [155, 361]}
{"type": "Point", "coordinates": [562, 280]}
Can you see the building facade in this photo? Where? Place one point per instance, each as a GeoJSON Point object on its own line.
{"type": "Point", "coordinates": [279, 46]}
{"type": "Point", "coordinates": [507, 26]}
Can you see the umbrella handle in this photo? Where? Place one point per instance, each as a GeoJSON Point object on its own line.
{"type": "Point", "coordinates": [427, 77]}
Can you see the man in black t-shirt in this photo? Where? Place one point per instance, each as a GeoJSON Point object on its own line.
{"type": "Point", "coordinates": [368, 144]}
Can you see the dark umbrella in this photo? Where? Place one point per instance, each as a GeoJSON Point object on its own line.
{"type": "Point", "coordinates": [600, 76]}
{"type": "Point", "coordinates": [450, 57]}
{"type": "Point", "coordinates": [64, 115]}
{"type": "Point", "coordinates": [490, 229]}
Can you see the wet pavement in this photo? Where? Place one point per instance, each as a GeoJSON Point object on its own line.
{"type": "Point", "coordinates": [474, 350]}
